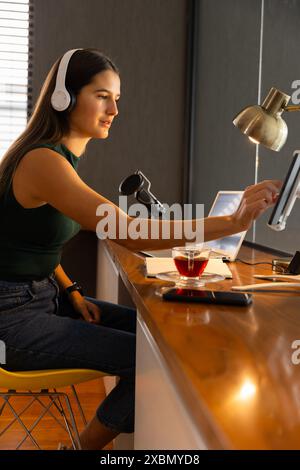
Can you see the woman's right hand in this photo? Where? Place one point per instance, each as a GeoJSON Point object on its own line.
{"type": "Point", "coordinates": [89, 311]}
{"type": "Point", "coordinates": [256, 199]}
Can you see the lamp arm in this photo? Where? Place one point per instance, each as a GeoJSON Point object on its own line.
{"type": "Point", "coordinates": [292, 108]}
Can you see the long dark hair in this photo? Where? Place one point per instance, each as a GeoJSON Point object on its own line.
{"type": "Point", "coordinates": [47, 125]}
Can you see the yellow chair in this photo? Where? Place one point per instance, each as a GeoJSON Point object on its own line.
{"type": "Point", "coordinates": [20, 384]}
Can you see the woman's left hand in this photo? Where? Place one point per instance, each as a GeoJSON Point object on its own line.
{"type": "Point", "coordinates": [88, 310]}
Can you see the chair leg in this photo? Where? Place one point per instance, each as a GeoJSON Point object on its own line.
{"type": "Point", "coordinates": [70, 427]}
{"type": "Point", "coordinates": [62, 425]}
{"type": "Point", "coordinates": [14, 420]}
{"type": "Point", "coordinates": [2, 407]}
{"type": "Point", "coordinates": [35, 398]}
{"type": "Point", "coordinates": [28, 433]}
{"type": "Point", "coordinates": [79, 405]}
{"type": "Point", "coordinates": [73, 422]}
{"type": "Point", "coordinates": [45, 411]}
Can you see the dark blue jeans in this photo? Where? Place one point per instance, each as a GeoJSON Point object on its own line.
{"type": "Point", "coordinates": [41, 330]}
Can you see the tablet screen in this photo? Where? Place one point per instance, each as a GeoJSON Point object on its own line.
{"type": "Point", "coordinates": [226, 203]}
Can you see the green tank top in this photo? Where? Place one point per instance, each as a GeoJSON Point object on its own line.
{"type": "Point", "coordinates": [31, 240]}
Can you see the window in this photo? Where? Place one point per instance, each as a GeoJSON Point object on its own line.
{"type": "Point", "coordinates": [15, 76]}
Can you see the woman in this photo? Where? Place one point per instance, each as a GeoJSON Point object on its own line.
{"type": "Point", "coordinates": [43, 203]}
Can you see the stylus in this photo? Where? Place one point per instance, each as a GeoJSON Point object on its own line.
{"type": "Point", "coordinates": [266, 285]}
{"type": "Point", "coordinates": [291, 277]}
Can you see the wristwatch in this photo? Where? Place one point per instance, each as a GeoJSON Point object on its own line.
{"type": "Point", "coordinates": [73, 287]}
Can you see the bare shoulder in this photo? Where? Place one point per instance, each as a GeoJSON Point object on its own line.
{"type": "Point", "coordinates": [43, 159]}
{"type": "Point", "coordinates": [54, 180]}
{"type": "Point", "coordinates": [44, 166]}
{"type": "Point", "coordinates": [29, 170]}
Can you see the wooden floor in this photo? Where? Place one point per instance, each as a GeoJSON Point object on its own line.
{"type": "Point", "coordinates": [48, 433]}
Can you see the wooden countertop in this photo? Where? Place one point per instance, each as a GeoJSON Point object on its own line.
{"type": "Point", "coordinates": [231, 365]}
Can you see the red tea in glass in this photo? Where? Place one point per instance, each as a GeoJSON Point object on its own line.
{"type": "Point", "coordinates": [190, 267]}
{"type": "Point", "coordinates": [190, 261]}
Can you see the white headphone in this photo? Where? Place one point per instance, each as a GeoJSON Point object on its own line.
{"type": "Point", "coordinates": [61, 97]}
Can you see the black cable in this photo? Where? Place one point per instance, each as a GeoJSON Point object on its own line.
{"type": "Point", "coordinates": [253, 264]}
{"type": "Point", "coordinates": [278, 268]}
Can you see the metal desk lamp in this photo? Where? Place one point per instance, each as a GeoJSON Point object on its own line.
{"type": "Point", "coordinates": [263, 124]}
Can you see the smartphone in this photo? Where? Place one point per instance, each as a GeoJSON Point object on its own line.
{"type": "Point", "coordinates": [208, 297]}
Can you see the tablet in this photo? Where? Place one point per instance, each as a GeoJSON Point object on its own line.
{"type": "Point", "coordinates": [287, 196]}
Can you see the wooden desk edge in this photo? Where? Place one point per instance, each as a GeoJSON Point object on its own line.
{"type": "Point", "coordinates": [212, 435]}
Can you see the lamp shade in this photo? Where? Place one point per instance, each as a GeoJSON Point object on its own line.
{"type": "Point", "coordinates": [264, 124]}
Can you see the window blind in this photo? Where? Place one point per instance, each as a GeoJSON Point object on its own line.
{"type": "Point", "coordinates": [15, 65]}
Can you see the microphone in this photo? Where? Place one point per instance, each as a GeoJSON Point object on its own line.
{"type": "Point", "coordinates": [139, 185]}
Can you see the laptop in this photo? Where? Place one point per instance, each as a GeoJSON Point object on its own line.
{"type": "Point", "coordinates": [225, 203]}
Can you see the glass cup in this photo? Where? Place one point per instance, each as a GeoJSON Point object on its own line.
{"type": "Point", "coordinates": [190, 262]}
